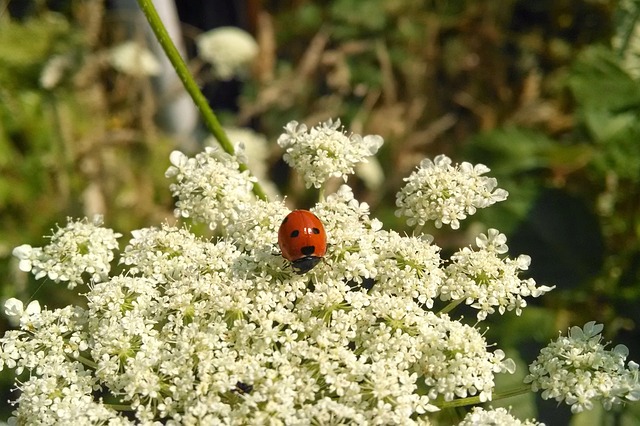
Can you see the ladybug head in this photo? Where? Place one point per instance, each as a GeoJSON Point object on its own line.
{"type": "Point", "coordinates": [305, 264]}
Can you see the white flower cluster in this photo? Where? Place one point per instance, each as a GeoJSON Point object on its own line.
{"type": "Point", "coordinates": [196, 331]}
{"type": "Point", "coordinates": [486, 278]}
{"type": "Point", "coordinates": [78, 248]}
{"type": "Point", "coordinates": [134, 59]}
{"type": "Point", "coordinates": [229, 50]}
{"type": "Point", "coordinates": [325, 151]}
{"type": "Point", "coordinates": [446, 194]}
{"type": "Point", "coordinates": [209, 187]}
{"type": "Point", "coordinates": [579, 370]}
{"type": "Point", "coordinates": [60, 388]}
{"type": "Point", "coordinates": [495, 417]}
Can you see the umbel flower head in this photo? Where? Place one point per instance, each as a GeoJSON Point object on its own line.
{"type": "Point", "coordinates": [578, 370]}
{"type": "Point", "coordinates": [325, 151]}
{"type": "Point", "coordinates": [229, 50]}
{"type": "Point", "coordinates": [446, 194]}
{"type": "Point", "coordinates": [497, 416]}
{"type": "Point", "coordinates": [78, 248]}
{"type": "Point", "coordinates": [210, 187]}
{"type": "Point", "coordinates": [486, 279]}
{"type": "Point", "coordinates": [194, 330]}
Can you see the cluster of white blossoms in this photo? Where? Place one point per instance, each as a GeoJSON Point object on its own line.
{"type": "Point", "coordinates": [579, 370]}
{"type": "Point", "coordinates": [134, 59]}
{"type": "Point", "coordinates": [486, 278]}
{"type": "Point", "coordinates": [78, 248]}
{"type": "Point", "coordinates": [229, 50]}
{"type": "Point", "coordinates": [209, 187]}
{"type": "Point", "coordinates": [325, 150]}
{"type": "Point", "coordinates": [446, 194]}
{"type": "Point", "coordinates": [222, 331]}
{"type": "Point", "coordinates": [478, 416]}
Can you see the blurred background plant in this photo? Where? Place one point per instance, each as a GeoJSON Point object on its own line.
{"type": "Point", "coordinates": [545, 93]}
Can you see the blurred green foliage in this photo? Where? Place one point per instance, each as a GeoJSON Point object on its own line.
{"type": "Point", "coordinates": [545, 93]}
{"type": "Point", "coordinates": [73, 147]}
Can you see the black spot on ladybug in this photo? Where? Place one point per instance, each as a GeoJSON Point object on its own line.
{"type": "Point", "coordinates": [308, 250]}
{"type": "Point", "coordinates": [316, 231]}
{"type": "Point", "coordinates": [294, 234]}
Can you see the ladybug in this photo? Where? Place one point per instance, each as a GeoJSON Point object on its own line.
{"type": "Point", "coordinates": [302, 240]}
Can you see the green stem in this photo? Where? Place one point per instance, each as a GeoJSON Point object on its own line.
{"type": "Point", "coordinates": [210, 119]}
{"type": "Point", "coordinates": [321, 194]}
{"type": "Point", "coordinates": [86, 361]}
{"type": "Point", "coordinates": [119, 407]}
{"type": "Point", "coordinates": [473, 400]}
{"type": "Point", "coordinates": [450, 306]}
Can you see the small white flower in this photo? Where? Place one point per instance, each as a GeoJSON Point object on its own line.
{"type": "Point", "coordinates": [13, 309]}
{"type": "Point", "coordinates": [325, 151]}
{"type": "Point", "coordinates": [78, 248]}
{"type": "Point", "coordinates": [210, 187]}
{"type": "Point", "coordinates": [54, 71]}
{"type": "Point", "coordinates": [230, 51]}
{"type": "Point", "coordinates": [579, 370]}
{"type": "Point", "coordinates": [446, 194]}
{"type": "Point", "coordinates": [479, 416]}
{"type": "Point", "coordinates": [24, 254]}
{"type": "Point", "coordinates": [134, 59]}
{"type": "Point", "coordinates": [371, 173]}
{"type": "Point", "coordinates": [485, 279]}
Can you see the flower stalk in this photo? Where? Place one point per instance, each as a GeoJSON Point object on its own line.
{"type": "Point", "coordinates": [209, 117]}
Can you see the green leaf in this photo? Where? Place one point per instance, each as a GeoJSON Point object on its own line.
{"type": "Point", "coordinates": [597, 80]}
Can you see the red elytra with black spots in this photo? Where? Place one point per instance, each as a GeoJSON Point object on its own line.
{"type": "Point", "coordinates": [302, 240]}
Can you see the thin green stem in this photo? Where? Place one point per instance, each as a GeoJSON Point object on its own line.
{"type": "Point", "coordinates": [210, 119]}
{"type": "Point", "coordinates": [450, 306]}
{"type": "Point", "coordinates": [476, 399]}
{"type": "Point", "coordinates": [86, 361]}
{"type": "Point", "coordinates": [119, 407]}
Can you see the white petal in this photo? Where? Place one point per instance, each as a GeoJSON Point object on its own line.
{"type": "Point", "coordinates": [13, 308]}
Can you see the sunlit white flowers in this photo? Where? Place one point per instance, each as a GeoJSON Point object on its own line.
{"type": "Point", "coordinates": [209, 187]}
{"type": "Point", "coordinates": [486, 278]}
{"type": "Point", "coordinates": [579, 370]}
{"type": "Point", "coordinates": [495, 417]}
{"type": "Point", "coordinates": [446, 194]}
{"type": "Point", "coordinates": [325, 150]}
{"type": "Point", "coordinates": [229, 50]}
{"type": "Point", "coordinates": [220, 330]}
{"type": "Point", "coordinates": [80, 247]}
{"type": "Point", "coordinates": [14, 310]}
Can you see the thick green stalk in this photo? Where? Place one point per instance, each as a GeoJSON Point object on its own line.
{"type": "Point", "coordinates": [210, 119]}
